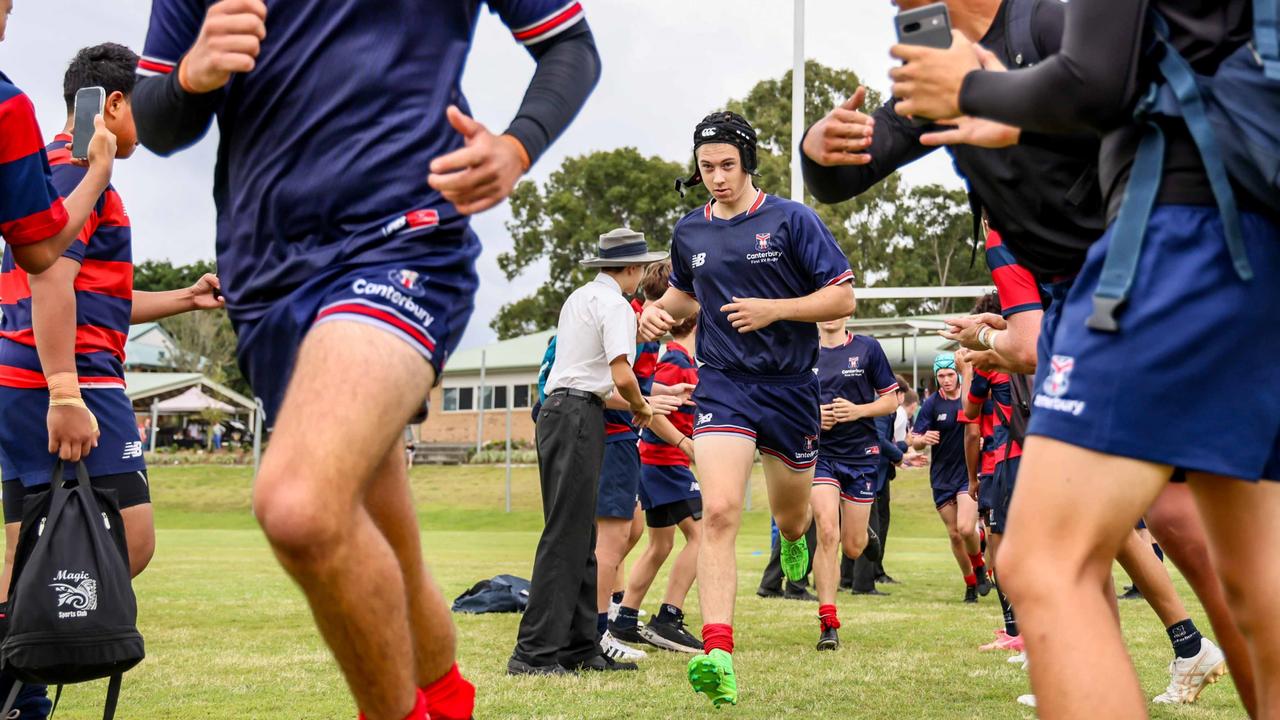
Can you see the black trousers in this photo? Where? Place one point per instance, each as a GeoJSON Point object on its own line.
{"type": "Point", "coordinates": [773, 577]}
{"type": "Point", "coordinates": [866, 571]}
{"type": "Point", "coordinates": [559, 624]}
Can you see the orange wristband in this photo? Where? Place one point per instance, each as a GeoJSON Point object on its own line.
{"type": "Point", "coordinates": [525, 162]}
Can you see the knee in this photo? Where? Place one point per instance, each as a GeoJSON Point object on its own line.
{"type": "Point", "coordinates": [829, 534]}
{"type": "Point", "coordinates": [719, 516]}
{"type": "Point", "coordinates": [298, 524]}
{"type": "Point", "coordinates": [855, 545]}
{"type": "Point", "coordinates": [661, 547]}
{"type": "Point", "coordinates": [955, 535]}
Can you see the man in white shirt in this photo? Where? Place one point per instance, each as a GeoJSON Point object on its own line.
{"type": "Point", "coordinates": [595, 347]}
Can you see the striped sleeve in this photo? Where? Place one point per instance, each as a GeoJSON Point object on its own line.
{"type": "Point", "coordinates": [1017, 287]}
{"type": "Point", "coordinates": [30, 208]}
{"type": "Point", "coordinates": [533, 21]}
{"type": "Point", "coordinates": [173, 29]}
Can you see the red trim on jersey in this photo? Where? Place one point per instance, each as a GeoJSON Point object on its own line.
{"type": "Point", "coordinates": [36, 227]}
{"type": "Point", "coordinates": [846, 276]}
{"type": "Point", "coordinates": [21, 133]}
{"type": "Point", "coordinates": [15, 286]}
{"type": "Point", "coordinates": [156, 66]}
{"type": "Point", "coordinates": [888, 390]}
{"type": "Point", "coordinates": [16, 377]}
{"type": "Point", "coordinates": [760, 196]}
{"type": "Point", "coordinates": [707, 210]}
{"type": "Point", "coordinates": [558, 19]}
{"type": "Point", "coordinates": [388, 318]}
{"type": "Point", "coordinates": [106, 278]}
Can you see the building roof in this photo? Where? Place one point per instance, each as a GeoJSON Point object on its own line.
{"type": "Point", "coordinates": [142, 385]}
{"type": "Point", "coordinates": [520, 353]}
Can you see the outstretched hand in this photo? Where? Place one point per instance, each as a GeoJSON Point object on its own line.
{"type": "Point", "coordinates": [483, 172]}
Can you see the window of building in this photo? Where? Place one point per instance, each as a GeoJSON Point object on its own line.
{"type": "Point", "coordinates": [495, 397]}
{"type": "Point", "coordinates": [520, 395]}
{"type": "Point", "coordinates": [459, 399]}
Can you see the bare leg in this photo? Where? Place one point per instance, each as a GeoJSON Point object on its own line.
{"type": "Point", "coordinates": [967, 523]}
{"type": "Point", "coordinates": [825, 500]}
{"type": "Point", "coordinates": [788, 496]}
{"type": "Point", "coordinates": [1176, 525]}
{"type": "Point", "coordinates": [685, 568]}
{"type": "Point", "coordinates": [854, 520]}
{"type": "Point", "coordinates": [646, 567]}
{"type": "Point", "coordinates": [612, 539]}
{"type": "Point", "coordinates": [722, 473]}
{"type": "Point", "coordinates": [330, 442]}
{"type": "Point", "coordinates": [1056, 562]}
{"type": "Point", "coordinates": [1148, 573]}
{"type": "Point", "coordinates": [1243, 534]}
{"type": "Point", "coordinates": [948, 514]}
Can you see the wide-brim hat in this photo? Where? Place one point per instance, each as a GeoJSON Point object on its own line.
{"type": "Point", "coordinates": [623, 246]}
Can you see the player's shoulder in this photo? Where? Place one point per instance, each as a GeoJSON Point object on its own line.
{"type": "Point", "coordinates": [700, 214]}
{"type": "Point", "coordinates": [8, 91]}
{"type": "Point", "coordinates": [791, 209]}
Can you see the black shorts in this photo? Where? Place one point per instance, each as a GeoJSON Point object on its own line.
{"type": "Point", "coordinates": [661, 516]}
{"type": "Point", "coordinates": [131, 489]}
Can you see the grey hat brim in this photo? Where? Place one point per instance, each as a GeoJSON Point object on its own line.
{"type": "Point", "coordinates": [645, 259]}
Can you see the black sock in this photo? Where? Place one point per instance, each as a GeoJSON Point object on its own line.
{"type": "Point", "coordinates": [1010, 623]}
{"type": "Point", "coordinates": [627, 617]}
{"type": "Point", "coordinates": [616, 597]}
{"type": "Point", "coordinates": [1185, 638]}
{"type": "Point", "coordinates": [669, 614]}
{"type": "Point", "coordinates": [1158, 551]}
{"type": "Point", "coordinates": [602, 624]}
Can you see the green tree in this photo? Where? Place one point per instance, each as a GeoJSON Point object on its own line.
{"type": "Point", "coordinates": [157, 275]}
{"type": "Point", "coordinates": [560, 222]}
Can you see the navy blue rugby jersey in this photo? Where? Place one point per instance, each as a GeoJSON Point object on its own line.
{"type": "Point", "coordinates": [859, 372]}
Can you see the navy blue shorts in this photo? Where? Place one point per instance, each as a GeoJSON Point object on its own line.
{"type": "Point", "coordinates": [944, 495]}
{"type": "Point", "coordinates": [1194, 343]}
{"type": "Point", "coordinates": [986, 492]}
{"type": "Point", "coordinates": [857, 482]}
{"type": "Point", "coordinates": [666, 484]}
{"type": "Point", "coordinates": [425, 301]}
{"type": "Point", "coordinates": [619, 480]}
{"type": "Point", "coordinates": [1005, 479]}
{"type": "Point", "coordinates": [780, 415]}
{"type": "Point", "coordinates": [24, 435]}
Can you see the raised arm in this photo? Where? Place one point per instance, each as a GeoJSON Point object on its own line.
{"type": "Point", "coordinates": [206, 294]}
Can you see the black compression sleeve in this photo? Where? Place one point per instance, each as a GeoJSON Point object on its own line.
{"type": "Point", "coordinates": [1087, 86]}
{"type": "Point", "coordinates": [895, 143]}
{"type": "Point", "coordinates": [568, 69]}
{"type": "Point", "coordinates": [168, 117]}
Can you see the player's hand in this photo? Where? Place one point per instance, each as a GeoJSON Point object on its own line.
{"type": "Point", "coordinates": [978, 132]}
{"type": "Point", "coordinates": [751, 314]}
{"type": "Point", "coordinates": [828, 416]}
{"type": "Point", "coordinates": [641, 415]}
{"type": "Point", "coordinates": [964, 330]}
{"type": "Point", "coordinates": [654, 323]}
{"type": "Point", "coordinates": [845, 411]}
{"type": "Point", "coordinates": [989, 361]}
{"type": "Point", "coordinates": [483, 172]}
{"type": "Point", "coordinates": [684, 390]}
{"type": "Point", "coordinates": [73, 432]}
{"type": "Point", "coordinates": [842, 137]}
{"type": "Point", "coordinates": [206, 294]}
{"type": "Point", "coordinates": [102, 149]}
{"type": "Point", "coordinates": [933, 437]}
{"type": "Point", "coordinates": [229, 42]}
{"type": "Point", "coordinates": [686, 447]}
{"type": "Point", "coordinates": [665, 404]}
{"type": "Point", "coordinates": [928, 84]}
{"type": "Point", "coordinates": [973, 490]}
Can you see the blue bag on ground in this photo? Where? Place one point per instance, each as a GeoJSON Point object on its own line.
{"type": "Point", "coordinates": [502, 594]}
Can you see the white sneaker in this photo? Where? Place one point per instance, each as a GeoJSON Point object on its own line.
{"type": "Point", "coordinates": [615, 649]}
{"type": "Point", "coordinates": [1028, 700]}
{"type": "Point", "coordinates": [1019, 659]}
{"type": "Point", "coordinates": [1188, 677]}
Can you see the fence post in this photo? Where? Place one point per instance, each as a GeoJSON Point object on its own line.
{"type": "Point", "coordinates": [480, 407]}
{"type": "Point", "coordinates": [508, 457]}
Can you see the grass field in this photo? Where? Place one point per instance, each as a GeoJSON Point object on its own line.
{"type": "Point", "coordinates": [228, 635]}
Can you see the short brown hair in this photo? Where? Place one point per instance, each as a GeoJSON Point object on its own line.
{"type": "Point", "coordinates": [655, 281]}
{"type": "Point", "coordinates": [685, 326]}
{"type": "Point", "coordinates": [989, 303]}
{"type": "Point", "coordinates": [903, 386]}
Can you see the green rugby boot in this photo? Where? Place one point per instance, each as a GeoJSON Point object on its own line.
{"type": "Point", "coordinates": [794, 556]}
{"type": "Point", "coordinates": [712, 675]}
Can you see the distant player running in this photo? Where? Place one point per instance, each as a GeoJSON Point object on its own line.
{"type": "Point", "coordinates": [764, 270]}
{"type": "Point", "coordinates": [940, 424]}
{"type": "Point", "coordinates": [857, 386]}
{"type": "Point", "coordinates": [347, 166]}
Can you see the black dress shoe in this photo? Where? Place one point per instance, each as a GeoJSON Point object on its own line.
{"type": "Point", "coordinates": [872, 591]}
{"type": "Point", "coordinates": [886, 580]}
{"type": "Point", "coordinates": [802, 595]}
{"type": "Point", "coordinates": [601, 663]}
{"type": "Point", "coordinates": [769, 592]}
{"type": "Point", "coordinates": [520, 667]}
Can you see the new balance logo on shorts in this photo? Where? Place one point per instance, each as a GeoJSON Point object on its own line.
{"type": "Point", "coordinates": [704, 418]}
{"type": "Point", "coordinates": [1055, 387]}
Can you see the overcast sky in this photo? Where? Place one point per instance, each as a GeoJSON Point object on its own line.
{"type": "Point", "coordinates": [721, 48]}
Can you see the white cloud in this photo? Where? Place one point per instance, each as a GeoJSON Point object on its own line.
{"type": "Point", "coordinates": [666, 64]}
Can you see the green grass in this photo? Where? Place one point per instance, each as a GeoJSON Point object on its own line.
{"type": "Point", "coordinates": [228, 635]}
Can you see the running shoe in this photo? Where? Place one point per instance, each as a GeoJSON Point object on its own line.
{"type": "Point", "coordinates": [615, 650]}
{"type": "Point", "coordinates": [794, 556]}
{"type": "Point", "coordinates": [712, 675]}
{"type": "Point", "coordinates": [1004, 641]}
{"type": "Point", "coordinates": [1028, 700]}
{"type": "Point", "coordinates": [1188, 677]}
{"type": "Point", "coordinates": [829, 640]}
{"type": "Point", "coordinates": [971, 593]}
{"type": "Point", "coordinates": [633, 634]}
{"type": "Point", "coordinates": [673, 636]}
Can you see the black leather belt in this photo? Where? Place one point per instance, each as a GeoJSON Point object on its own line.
{"type": "Point", "coordinates": [580, 394]}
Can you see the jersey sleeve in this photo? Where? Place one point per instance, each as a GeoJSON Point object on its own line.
{"type": "Point", "coordinates": [963, 419]}
{"type": "Point", "coordinates": [1017, 287]}
{"type": "Point", "coordinates": [31, 209]}
{"type": "Point", "coordinates": [879, 370]}
{"type": "Point", "coordinates": [65, 179]}
{"type": "Point", "coordinates": [820, 258]}
{"type": "Point", "coordinates": [681, 277]}
{"type": "Point", "coordinates": [533, 21]}
{"type": "Point", "coordinates": [924, 417]}
{"type": "Point", "coordinates": [980, 388]}
{"type": "Point", "coordinates": [173, 29]}
{"type": "Point", "coordinates": [618, 331]}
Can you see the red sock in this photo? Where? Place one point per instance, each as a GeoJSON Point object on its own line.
{"type": "Point", "coordinates": [977, 562]}
{"type": "Point", "coordinates": [451, 697]}
{"type": "Point", "coordinates": [717, 636]}
{"type": "Point", "coordinates": [827, 616]}
{"type": "Point", "coordinates": [419, 711]}
{"type": "Point", "coordinates": [971, 579]}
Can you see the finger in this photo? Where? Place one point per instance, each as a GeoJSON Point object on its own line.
{"type": "Point", "coordinates": [482, 189]}
{"type": "Point", "coordinates": [479, 206]}
{"type": "Point", "coordinates": [86, 448]}
{"type": "Point", "coordinates": [232, 7]}
{"type": "Point", "coordinates": [244, 23]}
{"type": "Point", "coordinates": [855, 100]}
{"type": "Point", "coordinates": [236, 62]}
{"type": "Point", "coordinates": [989, 60]}
{"type": "Point", "coordinates": [730, 307]}
{"type": "Point", "coordinates": [834, 159]}
{"type": "Point", "coordinates": [460, 159]}
{"type": "Point", "coordinates": [214, 281]}
{"type": "Point", "coordinates": [946, 137]}
{"type": "Point", "coordinates": [849, 121]}
{"type": "Point", "coordinates": [846, 144]}
{"type": "Point", "coordinates": [54, 444]}
{"type": "Point", "coordinates": [456, 183]}
{"type": "Point", "coordinates": [461, 122]}
{"type": "Point", "coordinates": [99, 123]}
{"type": "Point", "coordinates": [906, 53]}
{"type": "Point", "coordinates": [237, 45]}
{"type": "Point", "coordinates": [904, 108]}
{"type": "Point", "coordinates": [68, 452]}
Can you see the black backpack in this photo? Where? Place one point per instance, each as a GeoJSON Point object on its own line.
{"type": "Point", "coordinates": [72, 612]}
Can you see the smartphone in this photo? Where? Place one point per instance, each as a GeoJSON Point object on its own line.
{"type": "Point", "coordinates": [90, 102]}
{"type": "Point", "coordinates": [929, 26]}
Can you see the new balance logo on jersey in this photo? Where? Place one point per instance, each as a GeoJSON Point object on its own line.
{"type": "Point", "coordinates": [132, 450]}
{"type": "Point", "coordinates": [698, 260]}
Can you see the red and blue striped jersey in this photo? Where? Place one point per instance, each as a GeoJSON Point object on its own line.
{"type": "Point", "coordinates": [986, 388]}
{"type": "Point", "coordinates": [103, 287]}
{"type": "Point", "coordinates": [324, 147]}
{"type": "Point", "coordinates": [617, 423]}
{"type": "Point", "coordinates": [676, 367]}
{"type": "Point", "coordinates": [30, 208]}
{"type": "Point", "coordinates": [1017, 287]}
{"type": "Point", "coordinates": [987, 423]}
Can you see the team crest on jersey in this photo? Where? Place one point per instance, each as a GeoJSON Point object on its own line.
{"type": "Point", "coordinates": [1059, 379]}
{"type": "Point", "coordinates": [762, 241]}
{"type": "Point", "coordinates": [853, 363]}
{"type": "Point", "coordinates": [410, 281]}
